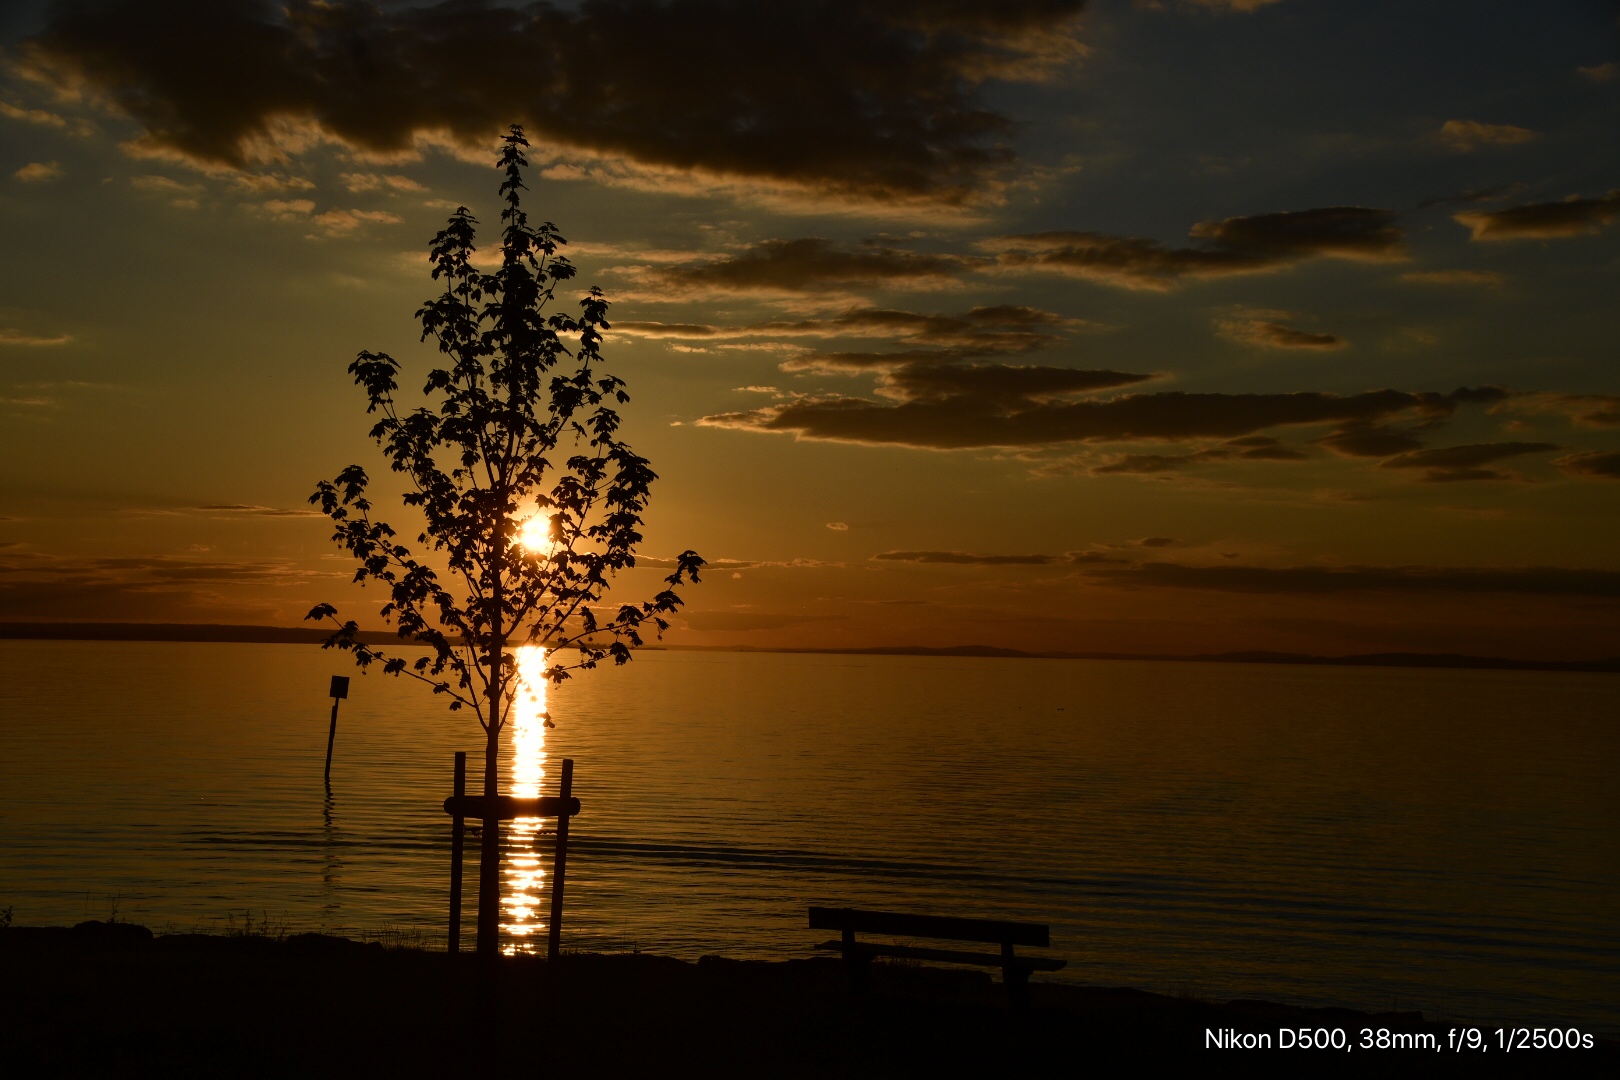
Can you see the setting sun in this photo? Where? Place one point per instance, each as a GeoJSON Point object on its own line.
{"type": "Point", "coordinates": [535, 534]}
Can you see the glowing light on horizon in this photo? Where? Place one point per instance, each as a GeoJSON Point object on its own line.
{"type": "Point", "coordinates": [524, 883]}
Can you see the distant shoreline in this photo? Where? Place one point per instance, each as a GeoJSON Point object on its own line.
{"type": "Point", "coordinates": [297, 635]}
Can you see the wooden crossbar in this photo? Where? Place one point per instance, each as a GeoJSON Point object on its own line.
{"type": "Point", "coordinates": [508, 807]}
{"type": "Point", "coordinates": [945, 927]}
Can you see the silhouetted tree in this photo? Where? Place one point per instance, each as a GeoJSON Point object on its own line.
{"type": "Point", "coordinates": [514, 421]}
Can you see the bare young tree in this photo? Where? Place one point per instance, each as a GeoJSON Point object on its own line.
{"type": "Point", "coordinates": [518, 437]}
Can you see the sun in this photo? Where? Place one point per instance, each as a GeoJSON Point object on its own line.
{"type": "Point", "coordinates": [535, 534]}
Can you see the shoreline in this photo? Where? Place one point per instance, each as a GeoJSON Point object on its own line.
{"type": "Point", "coordinates": [295, 635]}
{"type": "Point", "coordinates": [112, 996]}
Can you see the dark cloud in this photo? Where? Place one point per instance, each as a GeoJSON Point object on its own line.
{"type": "Point", "coordinates": [1600, 464]}
{"type": "Point", "coordinates": [1237, 245]}
{"type": "Point", "coordinates": [1573, 216]}
{"type": "Point", "coordinates": [964, 558]}
{"type": "Point", "coordinates": [1126, 261]}
{"type": "Point", "coordinates": [1248, 448]}
{"type": "Point", "coordinates": [874, 99]}
{"type": "Point", "coordinates": [1347, 232]}
{"type": "Point", "coordinates": [1370, 440]}
{"type": "Point", "coordinates": [1530, 580]}
{"type": "Point", "coordinates": [1018, 418]}
{"type": "Point", "coordinates": [1453, 463]}
{"type": "Point", "coordinates": [774, 267]}
{"type": "Point", "coordinates": [996, 382]}
{"type": "Point", "coordinates": [1276, 335]}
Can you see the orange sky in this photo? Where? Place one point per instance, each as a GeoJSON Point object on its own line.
{"type": "Point", "coordinates": [1182, 327]}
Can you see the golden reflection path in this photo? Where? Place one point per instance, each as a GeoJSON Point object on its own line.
{"type": "Point", "coordinates": [523, 925]}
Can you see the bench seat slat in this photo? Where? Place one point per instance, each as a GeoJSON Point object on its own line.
{"type": "Point", "coordinates": [951, 956]}
{"type": "Point", "coordinates": [944, 927]}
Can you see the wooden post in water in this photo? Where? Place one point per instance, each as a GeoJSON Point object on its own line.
{"type": "Point", "coordinates": [339, 691]}
{"type": "Point", "coordinates": [559, 864]}
{"type": "Point", "coordinates": [457, 827]}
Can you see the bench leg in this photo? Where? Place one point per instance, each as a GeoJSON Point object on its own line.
{"type": "Point", "coordinates": [857, 962]}
{"type": "Point", "coordinates": [1015, 978]}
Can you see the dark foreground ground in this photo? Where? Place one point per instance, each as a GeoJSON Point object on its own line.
{"type": "Point", "coordinates": [111, 1000]}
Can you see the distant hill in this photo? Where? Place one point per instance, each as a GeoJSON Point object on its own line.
{"type": "Point", "coordinates": [309, 635]}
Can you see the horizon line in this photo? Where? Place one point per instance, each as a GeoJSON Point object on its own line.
{"type": "Point", "coordinates": [242, 633]}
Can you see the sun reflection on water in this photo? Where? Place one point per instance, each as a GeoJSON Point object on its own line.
{"type": "Point", "coordinates": [523, 923]}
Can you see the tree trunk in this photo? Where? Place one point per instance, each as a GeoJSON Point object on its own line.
{"type": "Point", "coordinates": [489, 857]}
{"type": "Point", "coordinates": [489, 853]}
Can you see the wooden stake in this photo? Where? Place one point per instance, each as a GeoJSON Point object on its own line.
{"type": "Point", "coordinates": [559, 864]}
{"type": "Point", "coordinates": [457, 828]}
{"type": "Point", "coordinates": [331, 735]}
{"type": "Point", "coordinates": [339, 691]}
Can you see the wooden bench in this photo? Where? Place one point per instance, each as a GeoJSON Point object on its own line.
{"type": "Point", "coordinates": [1015, 969]}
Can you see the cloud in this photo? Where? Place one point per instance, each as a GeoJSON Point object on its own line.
{"type": "Point", "coordinates": [1246, 448]}
{"type": "Point", "coordinates": [1364, 439]}
{"type": "Point", "coordinates": [46, 118]}
{"type": "Point", "coordinates": [1601, 73]}
{"type": "Point", "coordinates": [963, 558]}
{"type": "Point", "coordinates": [838, 526]}
{"type": "Point", "coordinates": [1466, 136]}
{"type": "Point", "coordinates": [289, 209]}
{"type": "Point", "coordinates": [259, 183]}
{"type": "Point", "coordinates": [342, 222]}
{"type": "Point", "coordinates": [1574, 216]}
{"type": "Point", "coordinates": [39, 172]}
{"type": "Point", "coordinates": [1454, 277]}
{"type": "Point", "coordinates": [1447, 464]}
{"type": "Point", "coordinates": [17, 337]}
{"type": "Point", "coordinates": [1601, 464]}
{"type": "Point", "coordinates": [789, 267]}
{"type": "Point", "coordinates": [1237, 245]}
{"type": "Point", "coordinates": [1001, 406]}
{"type": "Point", "coordinates": [1268, 334]}
{"type": "Point", "coordinates": [1587, 410]}
{"type": "Point", "coordinates": [984, 330]}
{"type": "Point", "coordinates": [1318, 580]}
{"type": "Point", "coordinates": [864, 99]}
{"type": "Point", "coordinates": [359, 182]}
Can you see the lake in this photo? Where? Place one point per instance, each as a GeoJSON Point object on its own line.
{"type": "Point", "coordinates": [1435, 840]}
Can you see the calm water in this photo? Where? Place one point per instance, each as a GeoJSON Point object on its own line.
{"type": "Point", "coordinates": [1430, 840]}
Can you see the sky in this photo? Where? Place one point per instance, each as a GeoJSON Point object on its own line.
{"type": "Point", "coordinates": [1144, 327]}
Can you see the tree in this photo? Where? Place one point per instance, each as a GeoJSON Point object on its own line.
{"type": "Point", "coordinates": [510, 399]}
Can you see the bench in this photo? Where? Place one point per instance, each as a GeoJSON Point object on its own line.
{"type": "Point", "coordinates": [1015, 969]}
